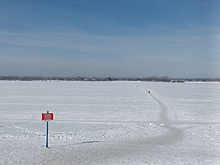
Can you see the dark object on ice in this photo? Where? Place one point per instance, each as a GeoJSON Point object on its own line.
{"type": "Point", "coordinates": [148, 91]}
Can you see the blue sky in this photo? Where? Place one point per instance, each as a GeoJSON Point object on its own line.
{"type": "Point", "coordinates": [119, 38]}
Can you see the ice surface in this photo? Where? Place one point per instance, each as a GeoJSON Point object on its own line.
{"type": "Point", "coordinates": [110, 123]}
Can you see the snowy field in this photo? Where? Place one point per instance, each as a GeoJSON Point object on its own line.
{"type": "Point", "coordinates": [110, 123]}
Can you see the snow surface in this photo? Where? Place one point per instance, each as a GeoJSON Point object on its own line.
{"type": "Point", "coordinates": [110, 123]}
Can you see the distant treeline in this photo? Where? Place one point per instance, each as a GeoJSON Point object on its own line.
{"type": "Point", "coordinates": [78, 78]}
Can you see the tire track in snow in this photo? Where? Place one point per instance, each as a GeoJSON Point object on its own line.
{"type": "Point", "coordinates": [163, 114]}
{"type": "Point", "coordinates": [131, 147]}
{"type": "Point", "coordinates": [173, 133]}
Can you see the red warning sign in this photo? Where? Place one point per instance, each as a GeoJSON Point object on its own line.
{"type": "Point", "coordinates": [47, 116]}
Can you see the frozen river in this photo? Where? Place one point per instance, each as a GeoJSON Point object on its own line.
{"type": "Point", "coordinates": [110, 123]}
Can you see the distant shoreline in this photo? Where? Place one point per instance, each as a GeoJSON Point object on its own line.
{"type": "Point", "coordinates": [78, 78]}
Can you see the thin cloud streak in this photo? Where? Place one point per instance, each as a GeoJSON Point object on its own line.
{"type": "Point", "coordinates": [82, 43]}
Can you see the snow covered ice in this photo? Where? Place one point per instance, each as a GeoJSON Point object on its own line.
{"type": "Point", "coordinates": [110, 123]}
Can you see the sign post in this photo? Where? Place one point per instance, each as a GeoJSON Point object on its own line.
{"type": "Point", "coordinates": [46, 117]}
{"type": "Point", "coordinates": [47, 135]}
